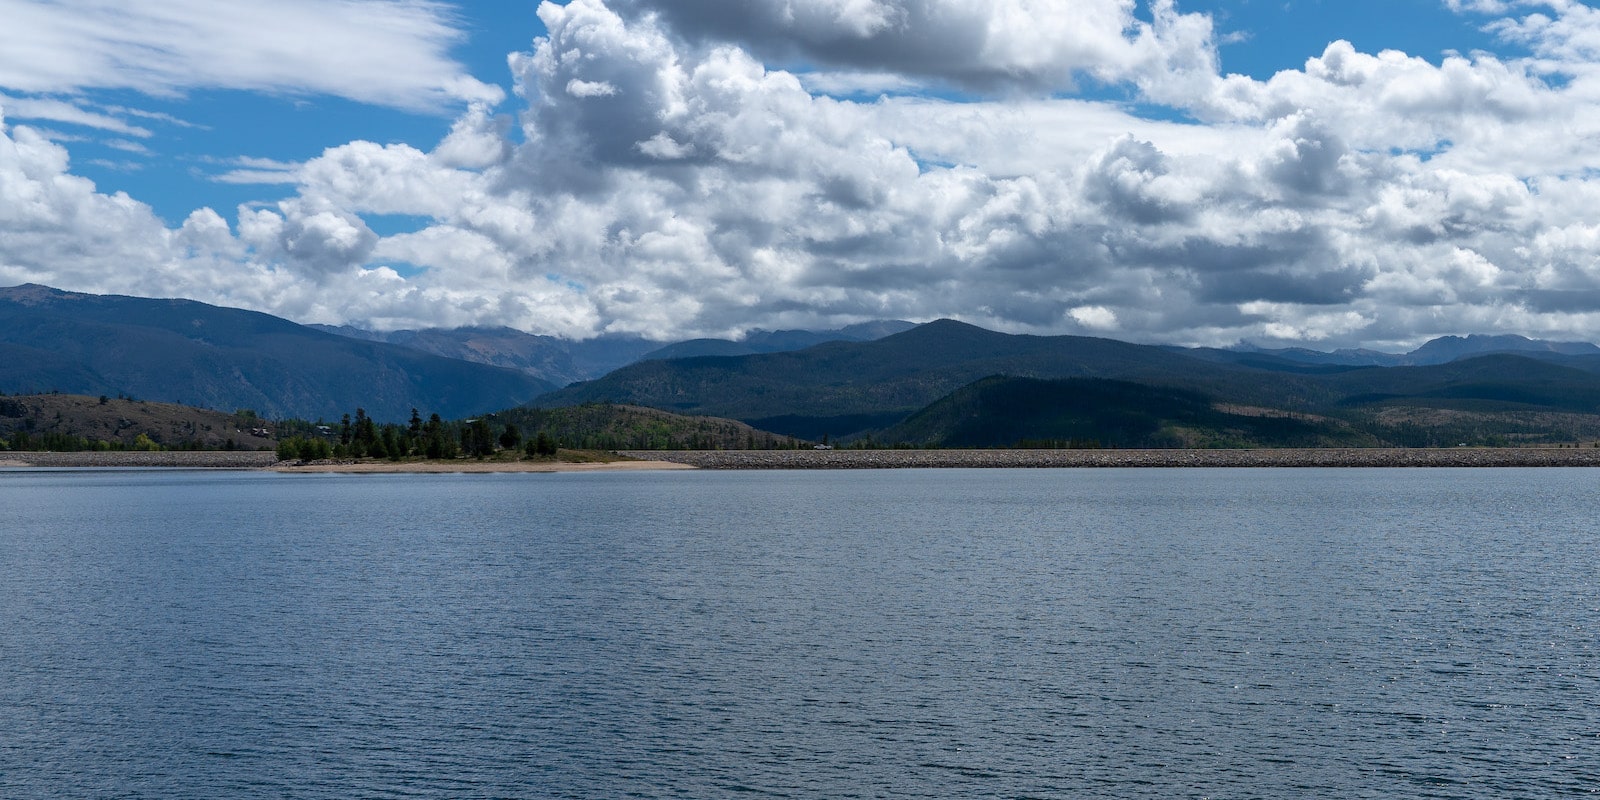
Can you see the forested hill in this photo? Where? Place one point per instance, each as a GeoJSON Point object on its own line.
{"type": "Point", "coordinates": [846, 387]}
{"type": "Point", "coordinates": [849, 389]}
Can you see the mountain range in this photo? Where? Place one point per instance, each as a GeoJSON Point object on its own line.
{"type": "Point", "coordinates": [205, 356]}
{"type": "Point", "coordinates": [761, 341]}
{"type": "Point", "coordinates": [847, 390]}
{"type": "Point", "coordinates": [547, 358]}
{"type": "Point", "coordinates": [563, 361]}
{"type": "Point", "coordinates": [1435, 351]}
{"type": "Point", "coordinates": [938, 383]}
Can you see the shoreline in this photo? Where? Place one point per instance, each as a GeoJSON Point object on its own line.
{"type": "Point", "coordinates": [647, 460]}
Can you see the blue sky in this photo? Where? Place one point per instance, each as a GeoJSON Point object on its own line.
{"type": "Point", "coordinates": [1280, 34]}
{"type": "Point", "coordinates": [228, 124]}
{"type": "Point", "coordinates": [1193, 171]}
{"type": "Point", "coordinates": [1266, 36]}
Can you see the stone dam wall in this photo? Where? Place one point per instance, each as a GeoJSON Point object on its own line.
{"type": "Point", "coordinates": [934, 459]}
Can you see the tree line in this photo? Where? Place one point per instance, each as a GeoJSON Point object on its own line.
{"type": "Point", "coordinates": [535, 433]}
{"type": "Point", "coordinates": [362, 437]}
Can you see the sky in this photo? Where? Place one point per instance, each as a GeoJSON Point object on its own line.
{"type": "Point", "coordinates": [1202, 172]}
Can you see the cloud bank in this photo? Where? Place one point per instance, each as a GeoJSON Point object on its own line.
{"type": "Point", "coordinates": [658, 174]}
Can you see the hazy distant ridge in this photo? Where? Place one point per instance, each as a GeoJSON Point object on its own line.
{"type": "Point", "coordinates": [1436, 351]}
{"type": "Point", "coordinates": [562, 361]}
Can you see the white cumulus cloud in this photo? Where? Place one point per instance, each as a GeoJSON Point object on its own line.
{"type": "Point", "coordinates": [664, 175]}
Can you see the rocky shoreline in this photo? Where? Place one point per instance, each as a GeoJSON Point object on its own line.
{"type": "Point", "coordinates": [966, 459]}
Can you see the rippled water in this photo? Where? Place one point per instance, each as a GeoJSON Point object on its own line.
{"type": "Point", "coordinates": [1027, 634]}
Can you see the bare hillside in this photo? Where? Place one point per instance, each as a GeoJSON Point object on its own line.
{"type": "Point", "coordinates": [112, 419]}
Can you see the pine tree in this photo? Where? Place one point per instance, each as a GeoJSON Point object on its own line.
{"type": "Point", "coordinates": [511, 437]}
{"type": "Point", "coordinates": [476, 439]}
{"type": "Point", "coordinates": [542, 445]}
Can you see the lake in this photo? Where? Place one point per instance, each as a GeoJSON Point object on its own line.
{"type": "Point", "coordinates": [1087, 633]}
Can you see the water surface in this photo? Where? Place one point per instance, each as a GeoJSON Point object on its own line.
{"type": "Point", "coordinates": [987, 633]}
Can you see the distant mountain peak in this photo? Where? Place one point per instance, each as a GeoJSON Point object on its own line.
{"type": "Point", "coordinates": [1450, 348]}
{"type": "Point", "coordinates": [951, 324]}
{"type": "Point", "coordinates": [32, 294]}
{"type": "Point", "coordinates": [946, 334]}
{"type": "Point", "coordinates": [945, 327]}
{"type": "Point", "coordinates": [1440, 350]}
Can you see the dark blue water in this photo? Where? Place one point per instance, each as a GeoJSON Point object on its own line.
{"type": "Point", "coordinates": [941, 634]}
